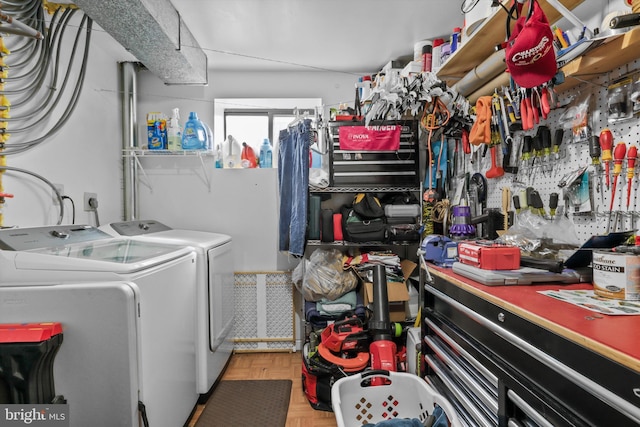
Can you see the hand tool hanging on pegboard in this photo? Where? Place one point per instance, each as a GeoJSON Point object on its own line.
{"type": "Point", "coordinates": [606, 144]}
{"type": "Point", "coordinates": [495, 171]}
{"type": "Point", "coordinates": [594, 153]}
{"type": "Point", "coordinates": [618, 157]}
{"type": "Point", "coordinates": [632, 154]}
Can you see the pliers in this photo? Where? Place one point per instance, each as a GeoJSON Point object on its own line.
{"type": "Point", "coordinates": [526, 110]}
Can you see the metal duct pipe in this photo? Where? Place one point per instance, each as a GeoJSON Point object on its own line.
{"type": "Point", "coordinates": [154, 32]}
{"type": "Point", "coordinates": [481, 74]}
{"type": "Point", "coordinates": [128, 100]}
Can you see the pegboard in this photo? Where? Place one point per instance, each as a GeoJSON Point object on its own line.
{"type": "Point", "coordinates": [574, 154]}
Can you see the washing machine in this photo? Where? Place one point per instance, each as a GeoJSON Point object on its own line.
{"type": "Point", "coordinates": [126, 308]}
{"type": "Point", "coordinates": [214, 290]}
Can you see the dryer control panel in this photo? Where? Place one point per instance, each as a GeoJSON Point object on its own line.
{"type": "Point", "coordinates": [137, 228]}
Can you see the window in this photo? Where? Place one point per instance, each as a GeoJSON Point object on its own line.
{"type": "Point", "coordinates": [252, 120]}
{"type": "Point", "coordinates": [253, 126]}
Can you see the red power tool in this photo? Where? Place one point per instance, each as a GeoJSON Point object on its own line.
{"type": "Point", "coordinates": [382, 348]}
{"type": "Point", "coordinates": [344, 343]}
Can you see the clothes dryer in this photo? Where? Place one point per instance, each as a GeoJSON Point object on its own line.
{"type": "Point", "coordinates": [214, 290]}
{"type": "Point", "coordinates": [126, 308]}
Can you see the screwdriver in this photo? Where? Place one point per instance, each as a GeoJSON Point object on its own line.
{"type": "Point", "coordinates": [606, 144]}
{"type": "Point", "coordinates": [545, 139]}
{"type": "Point", "coordinates": [632, 153]}
{"type": "Point", "coordinates": [557, 141]}
{"type": "Point", "coordinates": [618, 158]}
{"type": "Point", "coordinates": [536, 141]}
{"type": "Point", "coordinates": [553, 204]}
{"type": "Point", "coordinates": [526, 149]}
{"type": "Point", "coordinates": [516, 203]}
{"type": "Point", "coordinates": [594, 153]}
{"type": "Point", "coordinates": [536, 201]}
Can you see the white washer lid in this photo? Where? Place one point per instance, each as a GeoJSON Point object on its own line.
{"type": "Point", "coordinates": [201, 239]}
{"type": "Point", "coordinates": [113, 255]}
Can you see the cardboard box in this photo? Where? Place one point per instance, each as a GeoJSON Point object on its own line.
{"type": "Point", "coordinates": [397, 292]}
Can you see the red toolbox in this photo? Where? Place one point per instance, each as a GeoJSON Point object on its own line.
{"type": "Point", "coordinates": [489, 255]}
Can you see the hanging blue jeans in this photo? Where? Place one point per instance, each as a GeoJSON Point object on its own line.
{"type": "Point", "coordinates": [293, 183]}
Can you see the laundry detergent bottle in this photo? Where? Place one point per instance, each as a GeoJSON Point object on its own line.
{"type": "Point", "coordinates": [174, 132]}
{"type": "Point", "coordinates": [248, 157]}
{"type": "Point", "coordinates": [194, 134]}
{"type": "Point", "coordinates": [266, 154]}
{"type": "Point", "coordinates": [231, 152]}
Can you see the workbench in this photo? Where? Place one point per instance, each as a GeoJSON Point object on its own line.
{"type": "Point", "coordinates": [511, 356]}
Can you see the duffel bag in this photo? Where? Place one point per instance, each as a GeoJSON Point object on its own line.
{"type": "Point", "coordinates": [359, 230]}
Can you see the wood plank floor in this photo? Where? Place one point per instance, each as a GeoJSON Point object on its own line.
{"type": "Point", "coordinates": [276, 366]}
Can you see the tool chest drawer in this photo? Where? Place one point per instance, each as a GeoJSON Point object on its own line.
{"type": "Point", "coordinates": [375, 168]}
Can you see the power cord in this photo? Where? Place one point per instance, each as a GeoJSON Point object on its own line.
{"type": "Point", "coordinates": [93, 203]}
{"type": "Point", "coordinates": [73, 208]}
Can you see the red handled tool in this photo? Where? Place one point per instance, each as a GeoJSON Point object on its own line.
{"type": "Point", "coordinates": [466, 145]}
{"type": "Point", "coordinates": [545, 108]}
{"type": "Point", "coordinates": [618, 158]}
{"type": "Point", "coordinates": [632, 154]}
{"type": "Point", "coordinates": [526, 111]}
{"type": "Point", "coordinates": [535, 106]}
{"type": "Point", "coordinates": [606, 144]}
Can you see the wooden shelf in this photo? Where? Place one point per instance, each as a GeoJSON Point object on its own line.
{"type": "Point", "coordinates": [481, 44]}
{"type": "Point", "coordinates": [614, 53]}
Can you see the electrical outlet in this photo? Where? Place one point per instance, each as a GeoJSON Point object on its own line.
{"type": "Point", "coordinates": [60, 189]}
{"type": "Point", "coordinates": [87, 197]}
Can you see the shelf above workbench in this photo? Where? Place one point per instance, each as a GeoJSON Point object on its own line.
{"type": "Point", "coordinates": [481, 44]}
{"type": "Point", "coordinates": [613, 53]}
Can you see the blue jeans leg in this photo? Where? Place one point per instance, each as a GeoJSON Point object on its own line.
{"type": "Point", "coordinates": [293, 176]}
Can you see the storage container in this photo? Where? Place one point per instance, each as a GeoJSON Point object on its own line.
{"type": "Point", "coordinates": [371, 168]}
{"type": "Point", "coordinates": [356, 403]}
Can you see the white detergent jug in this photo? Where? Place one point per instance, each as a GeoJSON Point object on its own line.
{"type": "Point", "coordinates": [231, 151]}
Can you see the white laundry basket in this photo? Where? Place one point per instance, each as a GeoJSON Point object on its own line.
{"type": "Point", "coordinates": [406, 396]}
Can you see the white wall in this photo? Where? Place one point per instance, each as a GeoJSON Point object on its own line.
{"type": "Point", "coordinates": [241, 203]}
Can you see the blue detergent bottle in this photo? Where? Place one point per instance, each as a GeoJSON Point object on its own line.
{"type": "Point", "coordinates": [194, 134]}
{"type": "Point", "coordinates": [266, 154]}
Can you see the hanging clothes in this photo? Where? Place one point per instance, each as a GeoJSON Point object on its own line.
{"type": "Point", "coordinates": [293, 183]}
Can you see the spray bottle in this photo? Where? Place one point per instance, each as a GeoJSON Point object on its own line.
{"type": "Point", "coordinates": [219, 160]}
{"type": "Point", "coordinates": [174, 132]}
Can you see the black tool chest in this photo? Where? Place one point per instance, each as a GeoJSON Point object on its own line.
{"type": "Point", "coordinates": [504, 370]}
{"type": "Point", "coordinates": [375, 168]}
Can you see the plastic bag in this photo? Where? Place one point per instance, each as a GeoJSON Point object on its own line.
{"type": "Point", "coordinates": [576, 118]}
{"type": "Point", "coordinates": [534, 234]}
{"type": "Point", "coordinates": [323, 276]}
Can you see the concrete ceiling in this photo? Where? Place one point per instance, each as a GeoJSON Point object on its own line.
{"type": "Point", "coordinates": [350, 36]}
